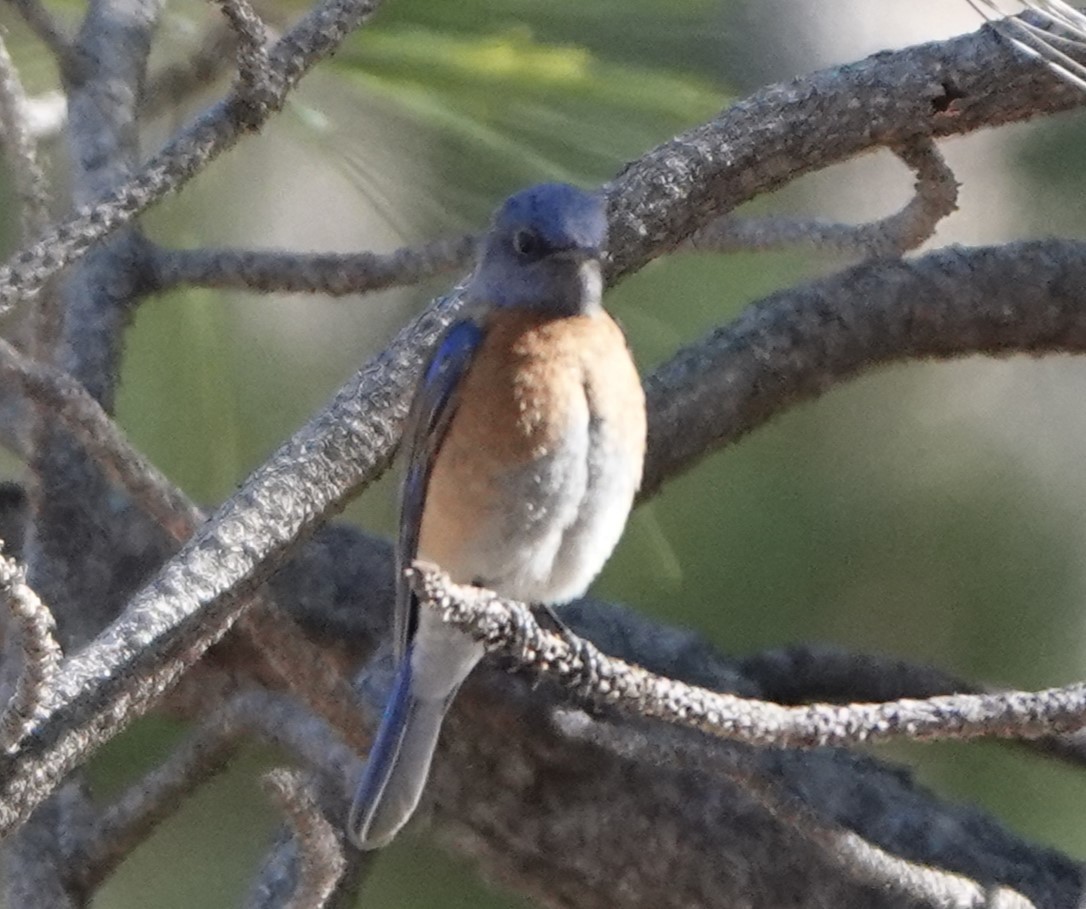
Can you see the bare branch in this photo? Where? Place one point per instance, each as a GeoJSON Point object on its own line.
{"type": "Point", "coordinates": [212, 133]}
{"type": "Point", "coordinates": [43, 25]}
{"type": "Point", "coordinates": [936, 197]}
{"type": "Point", "coordinates": [508, 628]}
{"type": "Point", "coordinates": [320, 846]}
{"type": "Point", "coordinates": [856, 856]}
{"type": "Point", "coordinates": [254, 66]}
{"type": "Point", "coordinates": [69, 402]}
{"type": "Point", "coordinates": [798, 343]}
{"type": "Point", "coordinates": [788, 130]}
{"type": "Point", "coordinates": [175, 83]}
{"type": "Point", "coordinates": [811, 672]}
{"type": "Point", "coordinates": [308, 672]}
{"type": "Point", "coordinates": [143, 806]}
{"type": "Point", "coordinates": [40, 652]}
{"type": "Point", "coordinates": [324, 273]}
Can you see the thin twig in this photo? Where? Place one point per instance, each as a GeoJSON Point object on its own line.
{"type": "Point", "coordinates": [936, 197]}
{"type": "Point", "coordinates": [57, 392]}
{"type": "Point", "coordinates": [254, 67]}
{"type": "Point", "coordinates": [325, 273]}
{"type": "Point", "coordinates": [41, 654]}
{"type": "Point", "coordinates": [509, 628]}
{"type": "Point", "coordinates": [144, 805]}
{"type": "Point", "coordinates": [320, 847]}
{"type": "Point", "coordinates": [212, 133]}
{"type": "Point", "coordinates": [811, 672]}
{"type": "Point", "coordinates": [177, 82]}
{"type": "Point", "coordinates": [308, 672]}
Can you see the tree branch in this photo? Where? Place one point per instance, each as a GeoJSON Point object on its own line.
{"type": "Point", "coordinates": [109, 839]}
{"type": "Point", "coordinates": [176, 82]}
{"type": "Point", "coordinates": [213, 132]}
{"type": "Point", "coordinates": [508, 628]}
{"type": "Point", "coordinates": [936, 197]}
{"type": "Point", "coordinates": [1019, 298]}
{"type": "Point", "coordinates": [325, 273]}
{"type": "Point", "coordinates": [42, 23]}
{"type": "Point", "coordinates": [255, 75]}
{"type": "Point", "coordinates": [855, 856]}
{"type": "Point", "coordinates": [320, 859]}
{"type": "Point", "coordinates": [41, 654]}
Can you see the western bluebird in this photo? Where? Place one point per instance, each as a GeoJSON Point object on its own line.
{"type": "Point", "coordinates": [525, 446]}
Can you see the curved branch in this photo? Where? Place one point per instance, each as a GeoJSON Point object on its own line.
{"type": "Point", "coordinates": [936, 197]}
{"type": "Point", "coordinates": [319, 847]}
{"type": "Point", "coordinates": [785, 131]}
{"type": "Point", "coordinates": [40, 650]}
{"type": "Point", "coordinates": [798, 343]}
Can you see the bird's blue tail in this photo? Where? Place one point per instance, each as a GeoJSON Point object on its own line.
{"type": "Point", "coordinates": [398, 763]}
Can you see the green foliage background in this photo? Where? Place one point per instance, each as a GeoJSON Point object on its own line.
{"type": "Point", "coordinates": [893, 515]}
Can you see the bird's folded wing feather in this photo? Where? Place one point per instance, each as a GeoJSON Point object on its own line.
{"type": "Point", "coordinates": [431, 412]}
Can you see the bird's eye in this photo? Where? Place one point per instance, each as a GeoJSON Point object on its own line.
{"type": "Point", "coordinates": [528, 244]}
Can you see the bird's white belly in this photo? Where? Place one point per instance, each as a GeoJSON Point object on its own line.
{"type": "Point", "coordinates": [561, 517]}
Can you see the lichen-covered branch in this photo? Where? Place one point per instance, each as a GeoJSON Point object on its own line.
{"type": "Point", "coordinates": [36, 628]}
{"type": "Point", "coordinates": [1022, 297]}
{"type": "Point", "coordinates": [333, 274]}
{"type": "Point", "coordinates": [936, 197]}
{"type": "Point", "coordinates": [320, 846]}
{"type": "Point", "coordinates": [214, 131]}
{"type": "Point", "coordinates": [508, 628]}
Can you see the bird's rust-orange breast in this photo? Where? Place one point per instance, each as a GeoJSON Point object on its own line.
{"type": "Point", "coordinates": [531, 379]}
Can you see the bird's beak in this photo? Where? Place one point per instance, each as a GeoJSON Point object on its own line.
{"type": "Point", "coordinates": [591, 278]}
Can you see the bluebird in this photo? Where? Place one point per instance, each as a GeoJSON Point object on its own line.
{"type": "Point", "coordinates": [525, 445]}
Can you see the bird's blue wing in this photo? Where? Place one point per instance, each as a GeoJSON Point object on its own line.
{"type": "Point", "coordinates": [432, 410]}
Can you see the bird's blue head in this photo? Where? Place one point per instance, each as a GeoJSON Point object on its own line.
{"type": "Point", "coordinates": [543, 252]}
